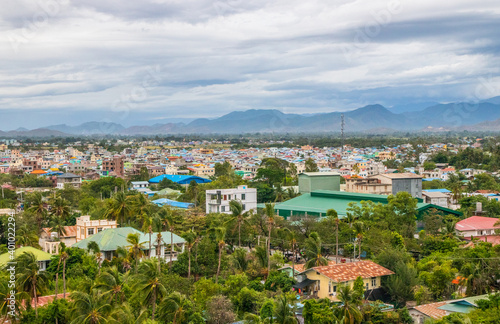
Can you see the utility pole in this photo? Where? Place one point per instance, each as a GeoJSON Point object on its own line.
{"type": "Point", "coordinates": [342, 125]}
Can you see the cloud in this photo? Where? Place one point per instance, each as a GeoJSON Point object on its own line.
{"type": "Point", "coordinates": [137, 61]}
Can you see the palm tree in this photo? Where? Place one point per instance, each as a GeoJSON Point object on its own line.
{"type": "Point", "coordinates": [30, 279]}
{"type": "Point", "coordinates": [220, 236]}
{"type": "Point", "coordinates": [57, 225]}
{"type": "Point", "coordinates": [94, 247]}
{"type": "Point", "coordinates": [62, 258]}
{"type": "Point", "coordinates": [270, 223]}
{"type": "Point", "coordinates": [119, 207]}
{"type": "Point", "coordinates": [149, 285]}
{"type": "Point", "coordinates": [359, 229]}
{"type": "Point", "coordinates": [173, 308]}
{"type": "Point", "coordinates": [60, 208]}
{"type": "Point", "coordinates": [147, 225]}
{"type": "Point", "coordinates": [292, 237]}
{"type": "Point", "coordinates": [38, 208]}
{"type": "Point", "coordinates": [313, 252]}
{"type": "Point", "coordinates": [111, 282]}
{"type": "Point", "coordinates": [240, 260]}
{"type": "Point", "coordinates": [169, 222]}
{"type": "Point", "coordinates": [238, 216]}
{"type": "Point", "coordinates": [284, 312]}
{"type": "Point", "coordinates": [92, 308]}
{"type": "Point", "coordinates": [135, 248]}
{"type": "Point", "coordinates": [25, 236]}
{"type": "Point", "coordinates": [348, 309]}
{"type": "Point", "coordinates": [332, 213]}
{"type": "Point", "coordinates": [190, 238]}
{"type": "Point", "coordinates": [262, 256]}
{"type": "Point", "coordinates": [122, 253]}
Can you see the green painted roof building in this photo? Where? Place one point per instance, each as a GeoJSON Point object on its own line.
{"type": "Point", "coordinates": [42, 257]}
{"type": "Point", "coordinates": [316, 203]}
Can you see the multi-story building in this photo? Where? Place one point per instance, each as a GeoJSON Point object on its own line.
{"type": "Point", "coordinates": [114, 165]}
{"type": "Point", "coordinates": [68, 178]}
{"type": "Point", "coordinates": [86, 227]}
{"type": "Point", "coordinates": [217, 200]}
{"type": "Point", "coordinates": [409, 182]}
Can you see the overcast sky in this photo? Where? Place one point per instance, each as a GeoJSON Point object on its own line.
{"type": "Point", "coordinates": [140, 62]}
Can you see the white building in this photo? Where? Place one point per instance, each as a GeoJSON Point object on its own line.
{"type": "Point", "coordinates": [217, 200]}
{"type": "Point", "coordinates": [86, 227]}
{"type": "Point", "coordinates": [139, 184]}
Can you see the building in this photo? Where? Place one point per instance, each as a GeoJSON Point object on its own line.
{"type": "Point", "coordinates": [42, 258]}
{"type": "Point", "coordinates": [478, 226]}
{"type": "Point", "coordinates": [368, 186]}
{"type": "Point", "coordinates": [180, 179]}
{"type": "Point", "coordinates": [114, 165]}
{"type": "Point", "coordinates": [310, 181]}
{"type": "Point", "coordinates": [438, 310]}
{"type": "Point", "coordinates": [436, 198]}
{"type": "Point", "coordinates": [85, 227]}
{"type": "Point", "coordinates": [316, 203]}
{"type": "Point", "coordinates": [109, 240]}
{"type": "Point", "coordinates": [217, 200]}
{"type": "Point", "coordinates": [139, 185]}
{"type": "Point", "coordinates": [202, 170]}
{"type": "Point", "coordinates": [325, 281]}
{"type": "Point", "coordinates": [50, 241]}
{"type": "Point", "coordinates": [7, 211]}
{"type": "Point", "coordinates": [68, 178]}
{"type": "Point", "coordinates": [409, 182]}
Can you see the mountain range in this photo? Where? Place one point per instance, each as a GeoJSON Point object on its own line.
{"type": "Point", "coordinates": [482, 116]}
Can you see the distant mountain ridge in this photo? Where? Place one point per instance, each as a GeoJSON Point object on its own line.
{"type": "Point", "coordinates": [375, 118]}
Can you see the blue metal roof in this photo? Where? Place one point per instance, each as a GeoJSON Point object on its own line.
{"type": "Point", "coordinates": [164, 201]}
{"type": "Point", "coordinates": [437, 190]}
{"type": "Point", "coordinates": [180, 179]}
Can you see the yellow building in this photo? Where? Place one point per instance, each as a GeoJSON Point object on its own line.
{"type": "Point", "coordinates": [325, 281]}
{"type": "Point", "coordinates": [386, 156]}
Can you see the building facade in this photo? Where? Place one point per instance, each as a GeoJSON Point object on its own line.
{"type": "Point", "coordinates": [217, 200]}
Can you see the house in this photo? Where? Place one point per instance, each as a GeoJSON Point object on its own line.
{"type": "Point", "coordinates": [202, 170]}
{"type": "Point", "coordinates": [436, 198]}
{"type": "Point", "coordinates": [325, 281]}
{"type": "Point", "coordinates": [42, 258]}
{"type": "Point", "coordinates": [68, 178]}
{"type": "Point", "coordinates": [85, 227]}
{"type": "Point", "coordinates": [438, 310]}
{"type": "Point", "coordinates": [217, 200]}
{"type": "Point", "coordinates": [479, 227]}
{"type": "Point", "coordinates": [367, 185]}
{"type": "Point", "coordinates": [50, 241]}
{"type": "Point", "coordinates": [139, 184]}
{"type": "Point", "coordinates": [409, 182]}
{"type": "Point", "coordinates": [111, 239]}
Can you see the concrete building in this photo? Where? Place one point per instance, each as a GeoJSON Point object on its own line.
{"type": "Point", "coordinates": [86, 227]}
{"type": "Point", "coordinates": [310, 181]}
{"type": "Point", "coordinates": [135, 185]}
{"type": "Point", "coordinates": [217, 200]}
{"type": "Point", "coordinates": [409, 182]}
{"type": "Point", "coordinates": [68, 178]}
{"type": "Point", "coordinates": [368, 186]}
{"type": "Point", "coordinates": [436, 198]}
{"type": "Point", "coordinates": [115, 165]}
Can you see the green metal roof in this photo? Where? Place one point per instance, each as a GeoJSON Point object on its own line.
{"type": "Point", "coordinates": [40, 255]}
{"type": "Point", "coordinates": [112, 238]}
{"type": "Point", "coordinates": [109, 239]}
{"type": "Point", "coordinates": [319, 201]}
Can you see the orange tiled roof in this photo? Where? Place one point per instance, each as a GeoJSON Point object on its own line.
{"type": "Point", "coordinates": [343, 272]}
{"type": "Point", "coordinates": [70, 231]}
{"type": "Point", "coordinates": [432, 310]}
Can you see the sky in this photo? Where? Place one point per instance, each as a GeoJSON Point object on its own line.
{"type": "Point", "coordinates": [151, 61]}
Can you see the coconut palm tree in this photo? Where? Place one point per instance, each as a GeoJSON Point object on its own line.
{"type": "Point", "coordinates": [110, 282]}
{"type": "Point", "coordinates": [284, 312]}
{"type": "Point", "coordinates": [173, 308]}
{"type": "Point", "coordinates": [119, 207]}
{"type": "Point", "coordinates": [313, 252]}
{"type": "Point", "coordinates": [92, 308]}
{"type": "Point", "coordinates": [62, 258]}
{"type": "Point", "coordinates": [348, 310]}
{"type": "Point", "coordinates": [237, 216]}
{"type": "Point", "coordinates": [149, 285]}
{"type": "Point", "coordinates": [94, 247]}
{"type": "Point", "coordinates": [270, 223]}
{"type": "Point", "coordinates": [135, 248]}
{"type": "Point", "coordinates": [37, 207]}
{"type": "Point", "coordinates": [240, 259]}
{"type": "Point", "coordinates": [60, 208]}
{"type": "Point", "coordinates": [190, 237]}
{"type": "Point", "coordinates": [359, 229]}
{"type": "Point", "coordinates": [169, 222]}
{"type": "Point", "coordinates": [30, 279]}
{"type": "Point", "coordinates": [58, 225]}
{"type": "Point", "coordinates": [26, 236]}
{"type": "Point", "coordinates": [220, 236]}
{"type": "Point", "coordinates": [332, 213]}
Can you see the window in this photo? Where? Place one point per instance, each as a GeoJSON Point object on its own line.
{"type": "Point", "coordinates": [229, 197]}
{"type": "Point", "coordinates": [213, 197]}
{"type": "Point", "coordinates": [242, 196]}
{"type": "Point", "coordinates": [223, 208]}
{"type": "Point", "coordinates": [82, 232]}
{"type": "Point", "coordinates": [90, 231]}
{"type": "Point", "coordinates": [99, 229]}
{"type": "Point", "coordinates": [367, 287]}
{"type": "Point", "coordinates": [225, 197]}
{"type": "Point", "coordinates": [374, 282]}
{"type": "Point", "coordinates": [334, 289]}
{"type": "Point", "coordinates": [243, 206]}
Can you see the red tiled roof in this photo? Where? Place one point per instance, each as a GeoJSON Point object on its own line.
{"type": "Point", "coordinates": [432, 310]}
{"type": "Point", "coordinates": [70, 231]}
{"type": "Point", "coordinates": [493, 239]}
{"type": "Point", "coordinates": [477, 222]}
{"type": "Point", "coordinates": [350, 271]}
